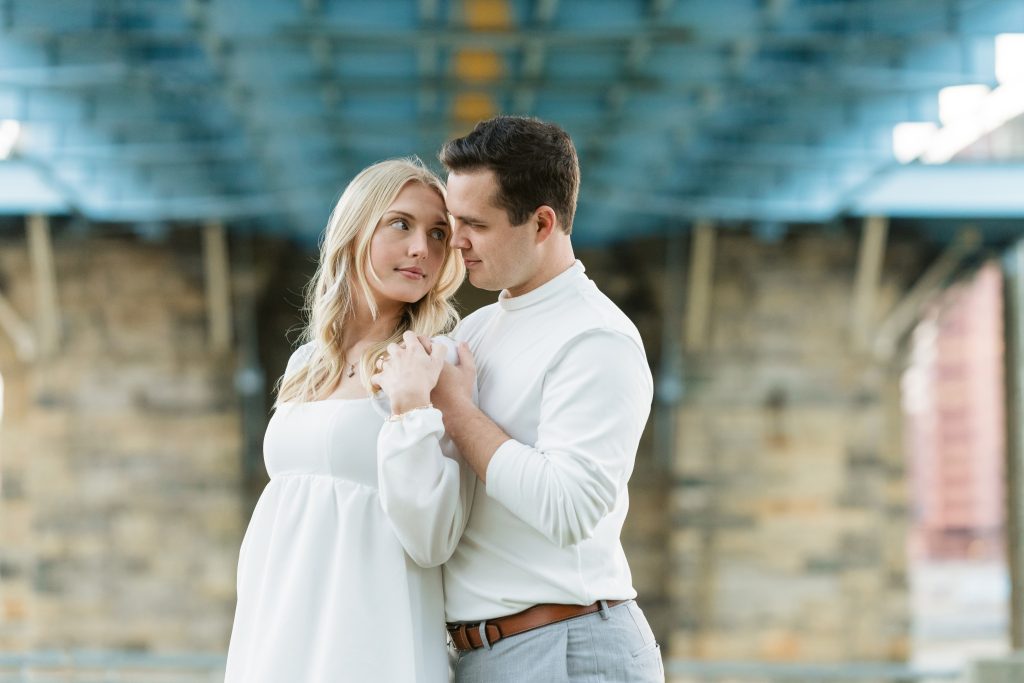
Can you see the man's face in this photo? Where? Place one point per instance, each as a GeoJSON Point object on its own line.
{"type": "Point", "coordinates": [498, 255]}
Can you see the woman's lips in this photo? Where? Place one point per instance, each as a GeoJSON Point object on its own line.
{"type": "Point", "coordinates": [412, 273]}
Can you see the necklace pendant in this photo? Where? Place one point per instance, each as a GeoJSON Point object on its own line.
{"type": "Point", "coordinates": [352, 370]}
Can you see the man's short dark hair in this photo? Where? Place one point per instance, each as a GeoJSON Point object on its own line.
{"type": "Point", "coordinates": [534, 162]}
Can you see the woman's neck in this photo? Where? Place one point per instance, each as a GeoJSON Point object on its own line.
{"type": "Point", "coordinates": [364, 328]}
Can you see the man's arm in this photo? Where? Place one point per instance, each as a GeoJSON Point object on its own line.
{"type": "Point", "coordinates": [476, 435]}
{"type": "Point", "coordinates": [595, 403]}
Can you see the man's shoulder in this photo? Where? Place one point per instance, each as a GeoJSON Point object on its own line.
{"type": "Point", "coordinates": [592, 309]}
{"type": "Point", "coordinates": [474, 321]}
{"type": "Point", "coordinates": [600, 334]}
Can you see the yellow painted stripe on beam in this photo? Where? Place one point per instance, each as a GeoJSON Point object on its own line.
{"type": "Point", "coordinates": [478, 66]}
{"type": "Point", "coordinates": [487, 13]}
{"type": "Point", "coordinates": [470, 107]}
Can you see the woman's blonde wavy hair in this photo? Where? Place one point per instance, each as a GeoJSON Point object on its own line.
{"type": "Point", "coordinates": [343, 272]}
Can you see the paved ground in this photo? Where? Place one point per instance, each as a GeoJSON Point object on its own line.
{"type": "Point", "coordinates": [960, 612]}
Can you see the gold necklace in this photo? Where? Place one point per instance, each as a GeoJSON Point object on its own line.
{"type": "Point", "coordinates": [351, 367]}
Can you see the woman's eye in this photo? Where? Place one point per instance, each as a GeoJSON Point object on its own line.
{"type": "Point", "coordinates": [400, 224]}
{"type": "Point", "coordinates": [439, 234]}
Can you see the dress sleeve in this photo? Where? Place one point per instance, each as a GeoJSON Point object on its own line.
{"type": "Point", "coordinates": [425, 488]}
{"type": "Point", "coordinates": [594, 405]}
{"type": "Point", "coordinates": [298, 358]}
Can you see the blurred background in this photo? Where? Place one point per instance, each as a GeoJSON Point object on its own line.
{"type": "Point", "coordinates": [810, 208]}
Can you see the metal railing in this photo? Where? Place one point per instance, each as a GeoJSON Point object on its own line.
{"type": "Point", "coordinates": [139, 667]}
{"type": "Point", "coordinates": [685, 671]}
{"type": "Point", "coordinates": [88, 666]}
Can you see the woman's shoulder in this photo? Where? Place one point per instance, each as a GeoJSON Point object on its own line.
{"type": "Point", "coordinates": [299, 357]}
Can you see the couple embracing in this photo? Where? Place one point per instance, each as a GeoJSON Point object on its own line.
{"type": "Point", "coordinates": [476, 501]}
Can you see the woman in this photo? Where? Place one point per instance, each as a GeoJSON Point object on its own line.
{"type": "Point", "coordinates": [337, 581]}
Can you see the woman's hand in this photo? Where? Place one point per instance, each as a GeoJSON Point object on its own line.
{"type": "Point", "coordinates": [410, 373]}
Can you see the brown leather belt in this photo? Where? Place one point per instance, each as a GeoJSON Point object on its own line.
{"type": "Point", "coordinates": [466, 636]}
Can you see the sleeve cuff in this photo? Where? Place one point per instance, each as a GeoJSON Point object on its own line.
{"type": "Point", "coordinates": [413, 426]}
{"type": "Point", "coordinates": [501, 471]}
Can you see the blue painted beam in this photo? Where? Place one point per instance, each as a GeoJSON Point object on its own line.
{"type": "Point", "coordinates": [916, 191]}
{"type": "Point", "coordinates": [25, 190]}
{"type": "Point", "coordinates": [964, 190]}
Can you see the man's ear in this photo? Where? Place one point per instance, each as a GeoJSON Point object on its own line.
{"type": "Point", "coordinates": [546, 221]}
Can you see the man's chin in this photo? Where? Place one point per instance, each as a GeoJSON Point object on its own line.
{"type": "Point", "coordinates": [482, 283]}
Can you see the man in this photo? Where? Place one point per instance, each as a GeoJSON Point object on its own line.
{"type": "Point", "coordinates": [538, 588]}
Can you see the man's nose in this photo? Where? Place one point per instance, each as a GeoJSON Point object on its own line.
{"type": "Point", "coordinates": [459, 239]}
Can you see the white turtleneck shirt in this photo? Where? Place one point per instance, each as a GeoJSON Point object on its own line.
{"type": "Point", "coordinates": [564, 373]}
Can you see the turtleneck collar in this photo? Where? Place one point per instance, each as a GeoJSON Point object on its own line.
{"type": "Point", "coordinates": [547, 290]}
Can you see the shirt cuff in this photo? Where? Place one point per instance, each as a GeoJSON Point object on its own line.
{"type": "Point", "coordinates": [501, 472]}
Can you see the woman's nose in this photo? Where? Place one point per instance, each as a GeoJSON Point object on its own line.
{"type": "Point", "coordinates": [418, 244]}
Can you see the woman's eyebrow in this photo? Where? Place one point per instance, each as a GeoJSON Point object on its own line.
{"type": "Point", "coordinates": [404, 214]}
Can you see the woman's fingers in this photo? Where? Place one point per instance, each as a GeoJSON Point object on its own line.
{"type": "Point", "coordinates": [411, 341]}
{"type": "Point", "coordinates": [412, 348]}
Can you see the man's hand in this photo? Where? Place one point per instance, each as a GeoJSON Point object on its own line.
{"type": "Point", "coordinates": [456, 382]}
{"type": "Point", "coordinates": [475, 434]}
{"type": "Point", "coordinates": [409, 373]}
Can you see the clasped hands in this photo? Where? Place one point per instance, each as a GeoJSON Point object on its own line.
{"type": "Point", "coordinates": [415, 374]}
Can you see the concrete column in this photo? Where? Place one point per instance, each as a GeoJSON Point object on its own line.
{"type": "Point", "coordinates": [1013, 272]}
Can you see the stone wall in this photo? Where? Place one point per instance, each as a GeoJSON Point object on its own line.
{"type": "Point", "coordinates": [789, 505]}
{"type": "Point", "coordinates": [121, 503]}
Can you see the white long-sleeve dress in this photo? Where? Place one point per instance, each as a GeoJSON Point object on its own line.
{"type": "Point", "coordinates": [338, 573]}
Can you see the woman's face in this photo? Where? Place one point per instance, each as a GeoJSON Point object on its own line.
{"type": "Point", "coordinates": [409, 245]}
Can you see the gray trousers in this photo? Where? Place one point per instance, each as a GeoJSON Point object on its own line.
{"type": "Point", "coordinates": [587, 649]}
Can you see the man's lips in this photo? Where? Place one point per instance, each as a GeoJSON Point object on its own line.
{"type": "Point", "coordinates": [412, 273]}
{"type": "Point", "coordinates": [470, 262]}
